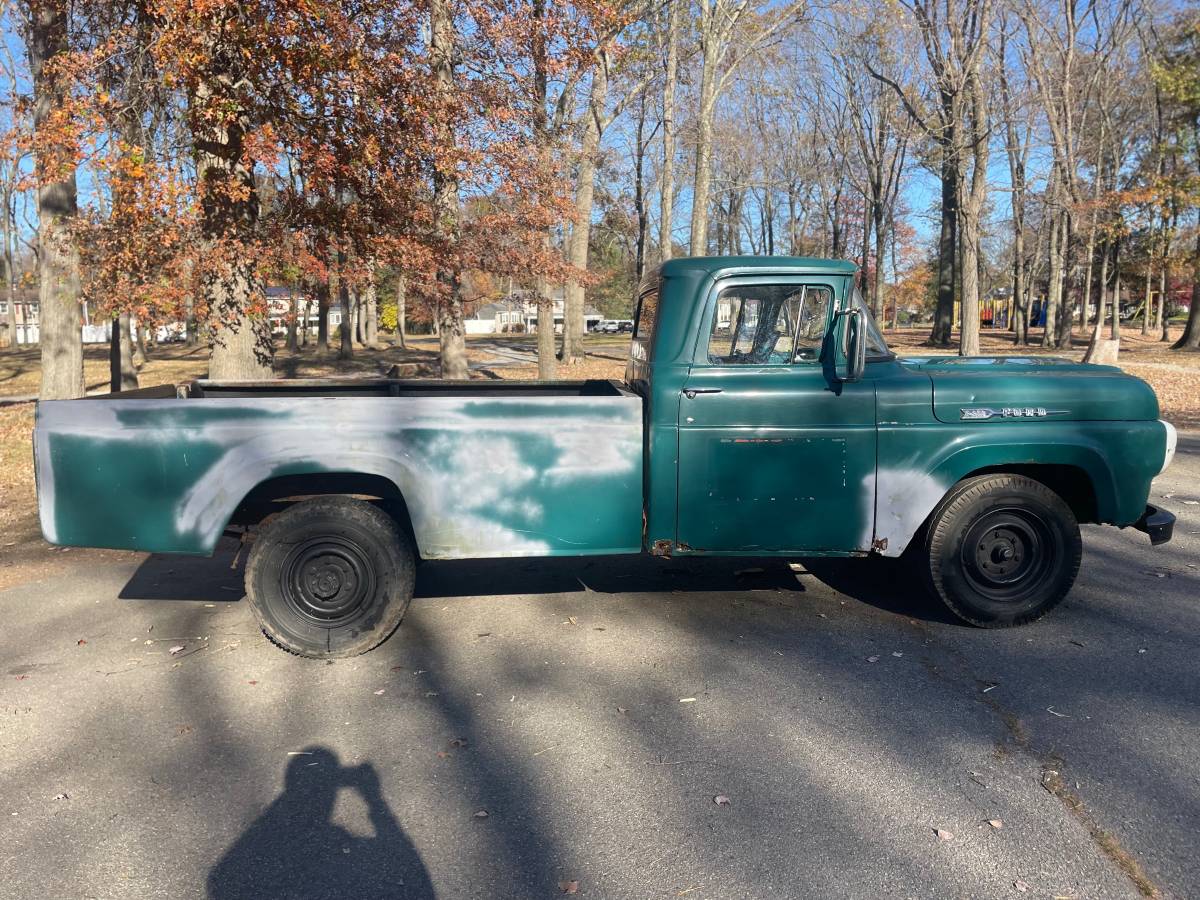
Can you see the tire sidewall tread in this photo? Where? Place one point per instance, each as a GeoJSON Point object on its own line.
{"type": "Point", "coordinates": [961, 507]}
{"type": "Point", "coordinates": [383, 542]}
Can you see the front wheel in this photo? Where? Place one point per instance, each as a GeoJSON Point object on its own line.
{"type": "Point", "coordinates": [1002, 550]}
{"type": "Point", "coordinates": [330, 577]}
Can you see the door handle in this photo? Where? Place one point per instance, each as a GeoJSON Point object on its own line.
{"type": "Point", "coordinates": [691, 393]}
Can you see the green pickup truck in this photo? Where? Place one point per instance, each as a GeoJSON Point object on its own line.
{"type": "Point", "coordinates": [761, 414]}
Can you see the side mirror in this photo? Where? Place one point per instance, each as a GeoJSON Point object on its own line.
{"type": "Point", "coordinates": [851, 346]}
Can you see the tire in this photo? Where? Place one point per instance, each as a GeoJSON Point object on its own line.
{"type": "Point", "coordinates": [330, 577]}
{"type": "Point", "coordinates": [1002, 550]}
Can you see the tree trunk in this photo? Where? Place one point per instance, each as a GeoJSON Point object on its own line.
{"type": "Point", "coordinates": [242, 348]}
{"type": "Point", "coordinates": [357, 300]}
{"type": "Point", "coordinates": [1115, 334]}
{"type": "Point", "coordinates": [346, 299]}
{"type": "Point", "coordinates": [452, 339]}
{"type": "Point", "coordinates": [1163, 281]}
{"type": "Point", "coordinates": [121, 371]}
{"type": "Point", "coordinates": [547, 363]}
{"type": "Point", "coordinates": [293, 316]}
{"type": "Point", "coordinates": [880, 250]}
{"type": "Point", "coordinates": [1147, 298]}
{"type": "Point", "coordinates": [1190, 339]}
{"type": "Point", "coordinates": [1067, 297]}
{"type": "Point", "coordinates": [943, 317]}
{"type": "Point", "coordinates": [401, 339]}
{"type": "Point", "coordinates": [323, 297]}
{"type": "Point", "coordinates": [665, 242]}
{"type": "Point", "coordinates": [581, 229]}
{"type": "Point", "coordinates": [1053, 286]}
{"type": "Point", "coordinates": [1020, 309]}
{"type": "Point", "coordinates": [639, 194]}
{"type": "Point", "coordinates": [1101, 307]}
{"type": "Point", "coordinates": [968, 339]}
{"type": "Point", "coordinates": [371, 312]}
{"type": "Point", "coordinates": [60, 323]}
{"type": "Point", "coordinates": [10, 275]}
{"type": "Point", "coordinates": [702, 182]}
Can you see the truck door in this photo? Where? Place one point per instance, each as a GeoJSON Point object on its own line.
{"type": "Point", "coordinates": [774, 453]}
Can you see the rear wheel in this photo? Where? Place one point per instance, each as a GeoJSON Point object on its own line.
{"type": "Point", "coordinates": [1002, 550]}
{"type": "Point", "coordinates": [330, 577]}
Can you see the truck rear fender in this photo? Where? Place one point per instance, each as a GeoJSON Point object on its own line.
{"type": "Point", "coordinates": [276, 494]}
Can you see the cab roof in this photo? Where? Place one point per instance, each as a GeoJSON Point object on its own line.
{"type": "Point", "coordinates": [714, 264]}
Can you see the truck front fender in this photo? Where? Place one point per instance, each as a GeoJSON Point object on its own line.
{"type": "Point", "coordinates": [918, 465]}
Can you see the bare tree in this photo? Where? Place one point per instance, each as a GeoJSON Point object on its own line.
{"type": "Point", "coordinates": [720, 56]}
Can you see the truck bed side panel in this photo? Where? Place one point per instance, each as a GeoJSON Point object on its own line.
{"type": "Point", "coordinates": [482, 477]}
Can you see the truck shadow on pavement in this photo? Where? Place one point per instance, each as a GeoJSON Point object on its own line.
{"type": "Point", "coordinates": [885, 584]}
{"type": "Point", "coordinates": [293, 849]}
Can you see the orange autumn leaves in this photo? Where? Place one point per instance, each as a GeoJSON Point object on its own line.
{"type": "Point", "coordinates": [337, 118]}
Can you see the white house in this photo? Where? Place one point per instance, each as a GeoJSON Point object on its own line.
{"type": "Point", "coordinates": [518, 314]}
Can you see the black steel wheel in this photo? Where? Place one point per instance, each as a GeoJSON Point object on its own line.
{"type": "Point", "coordinates": [1002, 550]}
{"type": "Point", "coordinates": [330, 577]}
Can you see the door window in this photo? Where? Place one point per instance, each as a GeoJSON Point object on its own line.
{"type": "Point", "coordinates": [764, 325]}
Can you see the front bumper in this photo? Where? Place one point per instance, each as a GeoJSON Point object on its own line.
{"type": "Point", "coordinates": [1158, 523]}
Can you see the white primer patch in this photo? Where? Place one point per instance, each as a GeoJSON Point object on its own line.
{"type": "Point", "coordinates": [904, 498]}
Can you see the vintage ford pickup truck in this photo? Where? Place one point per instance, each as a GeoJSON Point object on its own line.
{"type": "Point", "coordinates": [761, 414]}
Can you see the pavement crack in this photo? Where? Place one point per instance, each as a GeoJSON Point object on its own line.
{"type": "Point", "coordinates": [1051, 765]}
{"type": "Point", "coordinates": [1108, 844]}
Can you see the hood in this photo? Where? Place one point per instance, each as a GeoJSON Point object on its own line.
{"type": "Point", "coordinates": [1033, 388]}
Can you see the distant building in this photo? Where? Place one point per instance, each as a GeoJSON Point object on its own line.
{"type": "Point", "coordinates": [25, 301]}
{"type": "Point", "coordinates": [518, 314]}
{"type": "Point", "coordinates": [279, 309]}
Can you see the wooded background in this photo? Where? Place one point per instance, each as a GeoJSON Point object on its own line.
{"type": "Point", "coordinates": [169, 159]}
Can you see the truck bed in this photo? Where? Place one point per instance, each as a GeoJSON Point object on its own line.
{"type": "Point", "coordinates": [484, 468]}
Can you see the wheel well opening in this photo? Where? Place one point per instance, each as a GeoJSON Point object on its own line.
{"type": "Point", "coordinates": [276, 494]}
{"type": "Point", "coordinates": [1070, 482]}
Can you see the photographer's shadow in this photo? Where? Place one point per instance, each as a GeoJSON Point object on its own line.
{"type": "Point", "coordinates": [294, 850]}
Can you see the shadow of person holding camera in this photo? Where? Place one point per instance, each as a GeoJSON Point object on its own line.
{"type": "Point", "coordinates": [294, 850]}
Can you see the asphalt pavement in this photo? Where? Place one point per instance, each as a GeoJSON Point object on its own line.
{"type": "Point", "coordinates": [624, 727]}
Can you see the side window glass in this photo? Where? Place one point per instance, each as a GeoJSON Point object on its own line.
{"type": "Point", "coordinates": [646, 312]}
{"type": "Point", "coordinates": [768, 325]}
{"type": "Point", "coordinates": [813, 316]}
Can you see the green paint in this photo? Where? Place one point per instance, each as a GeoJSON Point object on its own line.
{"type": "Point", "coordinates": [722, 458]}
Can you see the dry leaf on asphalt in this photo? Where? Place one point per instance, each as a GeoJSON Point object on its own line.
{"type": "Point", "coordinates": [569, 887]}
{"type": "Point", "coordinates": [687, 699]}
{"type": "Point", "coordinates": [943, 834]}
{"type": "Point", "coordinates": [872, 659]}
{"type": "Point", "coordinates": [721, 800]}
{"type": "Point", "coordinates": [378, 692]}
{"type": "Point", "coordinates": [80, 642]}
{"type": "Point", "coordinates": [481, 813]}
{"type": "Point", "coordinates": [458, 742]}
{"type": "Point", "coordinates": [1021, 885]}
{"type": "Point", "coordinates": [177, 649]}
{"type": "Point", "coordinates": [996, 823]}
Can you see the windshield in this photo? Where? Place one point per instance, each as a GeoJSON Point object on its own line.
{"type": "Point", "coordinates": [876, 346]}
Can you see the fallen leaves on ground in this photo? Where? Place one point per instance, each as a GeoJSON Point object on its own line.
{"type": "Point", "coordinates": [721, 800]}
{"type": "Point", "coordinates": [996, 823]}
{"type": "Point", "coordinates": [569, 887]}
{"type": "Point", "coordinates": [481, 814]}
{"type": "Point", "coordinates": [943, 834]}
